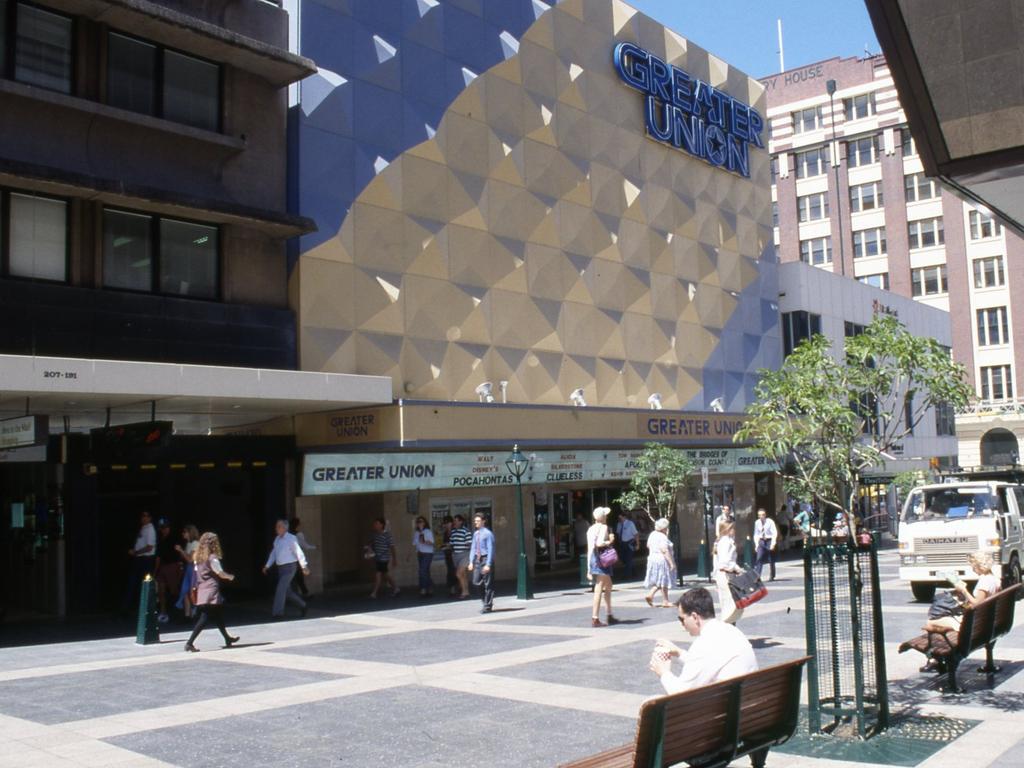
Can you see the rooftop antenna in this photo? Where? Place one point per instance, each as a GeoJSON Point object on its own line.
{"type": "Point", "coordinates": [782, 58]}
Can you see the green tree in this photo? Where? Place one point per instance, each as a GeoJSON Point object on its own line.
{"type": "Point", "coordinates": [826, 417]}
{"type": "Point", "coordinates": [660, 473]}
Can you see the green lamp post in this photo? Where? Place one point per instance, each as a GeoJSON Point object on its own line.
{"type": "Point", "coordinates": [517, 465]}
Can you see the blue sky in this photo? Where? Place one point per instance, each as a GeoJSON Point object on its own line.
{"type": "Point", "coordinates": [743, 32]}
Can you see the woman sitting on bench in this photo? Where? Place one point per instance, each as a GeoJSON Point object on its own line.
{"type": "Point", "coordinates": [987, 585]}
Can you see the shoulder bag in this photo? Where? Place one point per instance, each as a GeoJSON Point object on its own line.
{"type": "Point", "coordinates": [607, 557]}
{"type": "Point", "coordinates": [746, 587]}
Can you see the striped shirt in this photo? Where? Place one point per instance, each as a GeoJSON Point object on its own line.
{"type": "Point", "coordinates": [382, 545]}
{"type": "Point", "coordinates": [461, 539]}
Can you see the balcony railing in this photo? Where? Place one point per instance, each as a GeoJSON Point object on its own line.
{"type": "Point", "coordinates": [1008, 407]}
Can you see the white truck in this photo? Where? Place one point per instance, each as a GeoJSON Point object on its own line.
{"type": "Point", "coordinates": [942, 524]}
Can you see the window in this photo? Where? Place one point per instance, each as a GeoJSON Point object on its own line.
{"type": "Point", "coordinates": [945, 420]}
{"type": "Point", "coordinates": [809, 119]}
{"type": "Point", "coordinates": [988, 273]}
{"type": "Point", "coordinates": [37, 237]}
{"type": "Point", "coordinates": [146, 78]}
{"type": "Point", "coordinates": [865, 151]}
{"type": "Point", "coordinates": [797, 326]}
{"type": "Point", "coordinates": [865, 197]}
{"type": "Point", "coordinates": [993, 327]}
{"type": "Point", "coordinates": [853, 329]}
{"type": "Point", "coordinates": [925, 233]}
{"type": "Point", "coordinates": [775, 214]}
{"type": "Point", "coordinates": [858, 107]}
{"type": "Point", "coordinates": [917, 186]}
{"type": "Point", "coordinates": [148, 253]}
{"type": "Point", "coordinates": [907, 143]}
{"type": "Point", "coordinates": [814, 162]}
{"type": "Point", "coordinates": [869, 242]}
{"type": "Point", "coordinates": [996, 382]}
{"type": "Point", "coordinates": [880, 280]}
{"type": "Point", "coordinates": [42, 47]}
{"type": "Point", "coordinates": [928, 281]}
{"type": "Point", "coordinates": [774, 165]}
{"type": "Point", "coordinates": [816, 251]}
{"type": "Point", "coordinates": [812, 207]}
{"type": "Point", "coordinates": [984, 225]}
{"type": "Point", "coordinates": [908, 413]}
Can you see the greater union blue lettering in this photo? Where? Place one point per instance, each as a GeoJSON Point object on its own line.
{"type": "Point", "coordinates": [690, 114]}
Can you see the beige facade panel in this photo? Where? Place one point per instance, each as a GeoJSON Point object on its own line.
{"type": "Point", "coordinates": [540, 237]}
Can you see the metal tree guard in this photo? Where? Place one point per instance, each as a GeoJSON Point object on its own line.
{"type": "Point", "coordinates": [847, 684]}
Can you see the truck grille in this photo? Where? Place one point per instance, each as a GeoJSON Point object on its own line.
{"type": "Point", "coordinates": [952, 551]}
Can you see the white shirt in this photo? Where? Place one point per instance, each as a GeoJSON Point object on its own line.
{"type": "Point", "coordinates": [286, 550]}
{"type": "Point", "coordinates": [718, 653]}
{"type": "Point", "coordinates": [627, 531]}
{"type": "Point", "coordinates": [988, 582]}
{"type": "Point", "coordinates": [146, 538]}
{"type": "Point", "coordinates": [765, 529]}
{"type": "Point", "coordinates": [725, 554]}
{"type": "Point", "coordinates": [426, 544]}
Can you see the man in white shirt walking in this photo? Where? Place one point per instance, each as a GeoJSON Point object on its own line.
{"type": "Point", "coordinates": [766, 538]}
{"type": "Point", "coordinates": [288, 556]}
{"type": "Point", "coordinates": [143, 555]}
{"type": "Point", "coordinates": [625, 542]}
{"type": "Point", "coordinates": [719, 651]}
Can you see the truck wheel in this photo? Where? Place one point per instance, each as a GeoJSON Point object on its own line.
{"type": "Point", "coordinates": [923, 592]}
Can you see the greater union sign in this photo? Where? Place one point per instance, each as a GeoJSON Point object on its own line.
{"type": "Point", "coordinates": [339, 473]}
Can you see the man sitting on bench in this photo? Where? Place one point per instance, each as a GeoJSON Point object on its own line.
{"type": "Point", "coordinates": [719, 651]}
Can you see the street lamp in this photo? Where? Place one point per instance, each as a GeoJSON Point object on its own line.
{"type": "Point", "coordinates": [517, 465]}
{"type": "Point", "coordinates": [830, 86]}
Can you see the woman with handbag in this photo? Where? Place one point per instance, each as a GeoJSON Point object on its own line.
{"type": "Point", "coordinates": [601, 558]}
{"type": "Point", "coordinates": [661, 564]}
{"type": "Point", "coordinates": [725, 563]}
{"type": "Point", "coordinates": [208, 600]}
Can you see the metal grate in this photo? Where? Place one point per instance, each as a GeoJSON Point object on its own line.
{"type": "Point", "coordinates": [846, 676]}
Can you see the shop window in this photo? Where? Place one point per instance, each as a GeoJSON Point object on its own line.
{"type": "Point", "coordinates": [149, 253]}
{"type": "Point", "coordinates": [147, 78]}
{"type": "Point", "coordinates": [42, 43]}
{"type": "Point", "coordinates": [36, 231]}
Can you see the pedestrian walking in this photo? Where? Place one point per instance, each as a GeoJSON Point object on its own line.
{"type": "Point", "coordinates": [382, 547]}
{"type": "Point", "coordinates": [722, 519]}
{"type": "Point", "coordinates": [580, 526]}
{"type": "Point", "coordinates": [168, 569]}
{"type": "Point", "coordinates": [143, 555]}
{"type": "Point", "coordinates": [209, 601]}
{"type": "Point", "coordinates": [599, 538]}
{"type": "Point", "coordinates": [766, 538]}
{"type": "Point", "coordinates": [189, 535]}
{"type": "Point", "coordinates": [661, 564]}
{"type": "Point", "coordinates": [287, 556]}
{"type": "Point", "coordinates": [625, 543]}
{"type": "Point", "coordinates": [423, 546]}
{"type": "Point", "coordinates": [725, 563]}
{"type": "Point", "coordinates": [481, 561]}
{"type": "Point", "coordinates": [461, 540]}
{"type": "Point", "coordinates": [450, 579]}
{"type": "Point", "coordinates": [295, 529]}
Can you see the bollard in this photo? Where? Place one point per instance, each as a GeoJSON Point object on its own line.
{"type": "Point", "coordinates": [702, 562]}
{"type": "Point", "coordinates": [583, 572]}
{"type": "Point", "coordinates": [748, 553]}
{"type": "Point", "coordinates": [147, 631]}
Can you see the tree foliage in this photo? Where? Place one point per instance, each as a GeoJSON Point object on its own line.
{"type": "Point", "coordinates": [826, 418]}
{"type": "Point", "coordinates": [660, 473]}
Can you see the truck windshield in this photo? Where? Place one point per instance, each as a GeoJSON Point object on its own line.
{"type": "Point", "coordinates": [952, 503]}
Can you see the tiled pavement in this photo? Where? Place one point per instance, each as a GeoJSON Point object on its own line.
{"type": "Point", "coordinates": [531, 684]}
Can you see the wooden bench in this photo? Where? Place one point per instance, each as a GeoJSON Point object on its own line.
{"type": "Point", "coordinates": [712, 725]}
{"type": "Point", "coordinates": [980, 627]}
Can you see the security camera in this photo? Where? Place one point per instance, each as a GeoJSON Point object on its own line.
{"type": "Point", "coordinates": [717, 406]}
{"type": "Point", "coordinates": [576, 398]}
{"type": "Point", "coordinates": [483, 391]}
{"type": "Point", "coordinates": [654, 401]}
